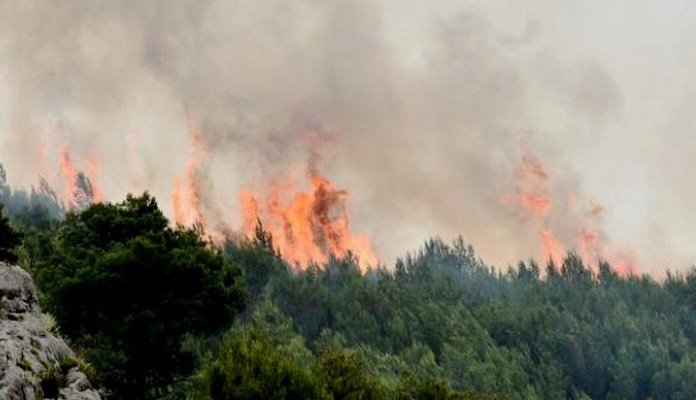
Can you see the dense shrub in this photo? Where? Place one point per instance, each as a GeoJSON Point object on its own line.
{"type": "Point", "coordinates": [127, 288]}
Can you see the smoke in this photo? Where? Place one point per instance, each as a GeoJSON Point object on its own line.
{"type": "Point", "coordinates": [425, 128]}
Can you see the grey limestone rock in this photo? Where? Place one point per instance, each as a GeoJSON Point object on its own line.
{"type": "Point", "coordinates": [30, 350]}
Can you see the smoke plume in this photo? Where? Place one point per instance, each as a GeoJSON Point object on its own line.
{"type": "Point", "coordinates": [197, 100]}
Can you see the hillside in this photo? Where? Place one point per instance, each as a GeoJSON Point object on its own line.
{"type": "Point", "coordinates": [160, 312]}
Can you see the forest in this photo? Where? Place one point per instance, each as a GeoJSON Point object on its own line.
{"type": "Point", "coordinates": [160, 312]}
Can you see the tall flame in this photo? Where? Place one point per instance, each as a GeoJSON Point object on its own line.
{"type": "Point", "coordinates": [575, 224]}
{"type": "Point", "coordinates": [186, 193]}
{"type": "Point", "coordinates": [93, 168]}
{"type": "Point", "coordinates": [69, 173]}
{"type": "Point", "coordinates": [306, 226]}
{"type": "Point", "coordinates": [532, 195]}
{"type": "Point", "coordinates": [79, 189]}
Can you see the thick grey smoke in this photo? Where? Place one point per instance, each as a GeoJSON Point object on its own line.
{"type": "Point", "coordinates": [427, 126]}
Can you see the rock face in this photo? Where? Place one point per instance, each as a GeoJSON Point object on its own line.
{"type": "Point", "coordinates": [35, 363]}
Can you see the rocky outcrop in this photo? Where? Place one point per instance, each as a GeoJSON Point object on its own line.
{"type": "Point", "coordinates": [35, 363]}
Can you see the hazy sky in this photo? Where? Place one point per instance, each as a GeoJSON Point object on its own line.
{"type": "Point", "coordinates": [431, 105]}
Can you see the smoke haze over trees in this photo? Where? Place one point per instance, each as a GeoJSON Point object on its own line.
{"type": "Point", "coordinates": [298, 149]}
{"type": "Point", "coordinates": [426, 105]}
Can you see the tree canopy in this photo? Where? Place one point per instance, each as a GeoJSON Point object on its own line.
{"type": "Point", "coordinates": [9, 239]}
{"type": "Point", "coordinates": [161, 313]}
{"type": "Point", "coordinates": [127, 289]}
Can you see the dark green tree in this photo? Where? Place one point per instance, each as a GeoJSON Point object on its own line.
{"type": "Point", "coordinates": [259, 261]}
{"type": "Point", "coordinates": [9, 239]}
{"type": "Point", "coordinates": [127, 288]}
{"type": "Point", "coordinates": [345, 376]}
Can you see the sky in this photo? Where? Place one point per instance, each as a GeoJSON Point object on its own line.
{"type": "Point", "coordinates": [431, 109]}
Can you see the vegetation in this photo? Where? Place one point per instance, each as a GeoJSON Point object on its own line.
{"type": "Point", "coordinates": [127, 289]}
{"type": "Point", "coordinates": [9, 239]}
{"type": "Point", "coordinates": [264, 358]}
{"type": "Point", "coordinates": [38, 208]}
{"type": "Point", "coordinates": [53, 378]}
{"type": "Point", "coordinates": [152, 308]}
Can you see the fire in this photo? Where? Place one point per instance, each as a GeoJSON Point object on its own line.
{"type": "Point", "coordinates": [306, 226]}
{"type": "Point", "coordinates": [624, 263]}
{"type": "Point", "coordinates": [589, 245]}
{"type": "Point", "coordinates": [186, 194]}
{"type": "Point", "coordinates": [79, 189]}
{"type": "Point", "coordinates": [93, 168]}
{"type": "Point", "coordinates": [69, 173]}
{"type": "Point", "coordinates": [562, 222]}
{"type": "Point", "coordinates": [532, 195]}
{"type": "Point", "coordinates": [552, 248]}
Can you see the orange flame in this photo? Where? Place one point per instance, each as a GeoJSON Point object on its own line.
{"type": "Point", "coordinates": [552, 248]}
{"type": "Point", "coordinates": [73, 193]}
{"type": "Point", "coordinates": [306, 226]}
{"type": "Point", "coordinates": [579, 224]}
{"type": "Point", "coordinates": [69, 173]}
{"type": "Point", "coordinates": [186, 193]}
{"type": "Point", "coordinates": [93, 168]}
{"type": "Point", "coordinates": [624, 263]}
{"type": "Point", "coordinates": [532, 195]}
{"type": "Point", "coordinates": [589, 245]}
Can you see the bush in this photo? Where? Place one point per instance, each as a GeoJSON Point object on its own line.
{"type": "Point", "coordinates": [249, 366]}
{"type": "Point", "coordinates": [9, 239]}
{"type": "Point", "coordinates": [127, 288]}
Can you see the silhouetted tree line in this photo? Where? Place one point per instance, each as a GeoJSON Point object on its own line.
{"type": "Point", "coordinates": [160, 313]}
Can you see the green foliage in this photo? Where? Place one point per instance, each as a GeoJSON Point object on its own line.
{"type": "Point", "coordinates": [445, 325]}
{"type": "Point", "coordinates": [250, 367]}
{"type": "Point", "coordinates": [38, 208]}
{"type": "Point", "coordinates": [412, 388]}
{"type": "Point", "coordinates": [264, 359]}
{"type": "Point", "coordinates": [25, 365]}
{"type": "Point", "coordinates": [54, 377]}
{"type": "Point", "coordinates": [143, 303]}
{"type": "Point", "coordinates": [126, 289]}
{"type": "Point", "coordinates": [345, 377]}
{"type": "Point", "coordinates": [9, 239]}
{"type": "Point", "coordinates": [258, 259]}
{"type": "Point", "coordinates": [67, 364]}
{"type": "Point", "coordinates": [51, 381]}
